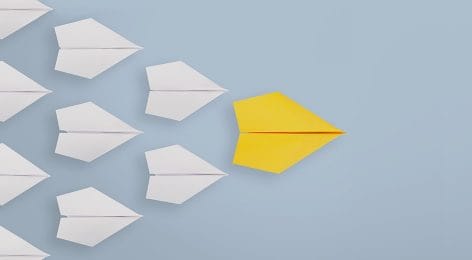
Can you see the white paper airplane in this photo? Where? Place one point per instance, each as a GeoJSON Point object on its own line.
{"type": "Point", "coordinates": [88, 48]}
{"type": "Point", "coordinates": [17, 174]}
{"type": "Point", "coordinates": [16, 91]}
{"type": "Point", "coordinates": [177, 174]}
{"type": "Point", "coordinates": [177, 90]}
{"type": "Point", "coordinates": [13, 247]}
{"type": "Point", "coordinates": [89, 132]}
{"type": "Point", "coordinates": [89, 217]}
{"type": "Point", "coordinates": [15, 14]}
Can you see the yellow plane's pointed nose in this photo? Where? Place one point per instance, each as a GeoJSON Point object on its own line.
{"type": "Point", "coordinates": [277, 132]}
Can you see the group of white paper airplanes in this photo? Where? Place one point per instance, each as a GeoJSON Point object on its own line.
{"type": "Point", "coordinates": [89, 216]}
{"type": "Point", "coordinates": [86, 49]}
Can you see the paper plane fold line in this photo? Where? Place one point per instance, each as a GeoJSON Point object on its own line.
{"type": "Point", "coordinates": [17, 91]}
{"type": "Point", "coordinates": [88, 132]}
{"type": "Point", "coordinates": [16, 14]}
{"type": "Point", "coordinates": [17, 174]}
{"type": "Point", "coordinates": [177, 90]}
{"type": "Point", "coordinates": [176, 174]}
{"type": "Point", "coordinates": [89, 217]}
{"type": "Point", "coordinates": [88, 48]}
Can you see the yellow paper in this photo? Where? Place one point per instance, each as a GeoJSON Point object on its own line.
{"type": "Point", "coordinates": [277, 132]}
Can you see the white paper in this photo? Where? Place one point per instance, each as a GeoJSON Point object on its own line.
{"type": "Point", "coordinates": [16, 91]}
{"type": "Point", "coordinates": [89, 217]}
{"type": "Point", "coordinates": [17, 174]}
{"type": "Point", "coordinates": [89, 132]}
{"type": "Point", "coordinates": [15, 14]}
{"type": "Point", "coordinates": [88, 48]}
{"type": "Point", "coordinates": [177, 174]}
{"type": "Point", "coordinates": [13, 247]}
{"type": "Point", "coordinates": [177, 90]}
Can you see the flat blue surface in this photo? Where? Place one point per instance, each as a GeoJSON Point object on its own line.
{"type": "Point", "coordinates": [394, 74]}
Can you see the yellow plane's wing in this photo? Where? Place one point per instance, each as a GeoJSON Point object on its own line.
{"type": "Point", "coordinates": [277, 152]}
{"type": "Point", "coordinates": [275, 112]}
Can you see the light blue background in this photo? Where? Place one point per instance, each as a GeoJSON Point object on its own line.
{"type": "Point", "coordinates": [394, 74]}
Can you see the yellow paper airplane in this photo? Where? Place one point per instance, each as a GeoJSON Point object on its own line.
{"type": "Point", "coordinates": [276, 132]}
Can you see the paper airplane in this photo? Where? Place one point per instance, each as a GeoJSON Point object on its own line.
{"type": "Point", "coordinates": [16, 14]}
{"type": "Point", "coordinates": [89, 132]}
{"type": "Point", "coordinates": [276, 132]}
{"type": "Point", "coordinates": [17, 175]}
{"type": "Point", "coordinates": [89, 217]}
{"type": "Point", "coordinates": [177, 90]}
{"type": "Point", "coordinates": [16, 91]}
{"type": "Point", "coordinates": [13, 247]}
{"type": "Point", "coordinates": [177, 174]}
{"type": "Point", "coordinates": [88, 48]}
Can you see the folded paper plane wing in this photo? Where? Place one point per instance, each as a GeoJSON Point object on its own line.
{"type": "Point", "coordinates": [16, 14]}
{"type": "Point", "coordinates": [177, 174]}
{"type": "Point", "coordinates": [89, 217]}
{"type": "Point", "coordinates": [88, 48]}
{"type": "Point", "coordinates": [89, 131]}
{"type": "Point", "coordinates": [17, 174]}
{"type": "Point", "coordinates": [16, 91]}
{"type": "Point", "coordinates": [276, 132]}
{"type": "Point", "coordinates": [177, 90]}
{"type": "Point", "coordinates": [13, 247]}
